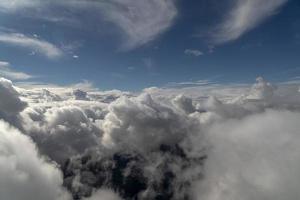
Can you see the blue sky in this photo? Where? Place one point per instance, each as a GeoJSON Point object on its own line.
{"type": "Point", "coordinates": [133, 44]}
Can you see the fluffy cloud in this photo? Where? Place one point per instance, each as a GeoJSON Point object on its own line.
{"type": "Point", "coordinates": [244, 16]}
{"type": "Point", "coordinates": [253, 158]}
{"type": "Point", "coordinates": [205, 142]}
{"type": "Point", "coordinates": [32, 43]}
{"type": "Point", "coordinates": [128, 118]}
{"type": "Point", "coordinates": [184, 103]}
{"type": "Point", "coordinates": [24, 175]}
{"type": "Point", "coordinates": [62, 131]}
{"type": "Point", "coordinates": [10, 103]}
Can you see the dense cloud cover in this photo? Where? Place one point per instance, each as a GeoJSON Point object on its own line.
{"type": "Point", "coordinates": [254, 158]}
{"type": "Point", "coordinates": [208, 142]}
{"type": "Point", "coordinates": [24, 174]}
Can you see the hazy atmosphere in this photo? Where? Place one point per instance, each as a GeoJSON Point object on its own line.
{"type": "Point", "coordinates": [149, 100]}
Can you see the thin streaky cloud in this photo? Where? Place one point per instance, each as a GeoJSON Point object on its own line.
{"type": "Point", "coordinates": [244, 16]}
{"type": "Point", "coordinates": [6, 71]}
{"type": "Point", "coordinates": [32, 43]}
{"type": "Point", "coordinates": [14, 5]}
{"type": "Point", "coordinates": [139, 22]}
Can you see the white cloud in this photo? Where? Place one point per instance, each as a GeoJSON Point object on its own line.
{"type": "Point", "coordinates": [140, 22]}
{"type": "Point", "coordinates": [254, 158]}
{"type": "Point", "coordinates": [261, 90]}
{"type": "Point", "coordinates": [32, 43]}
{"type": "Point", "coordinates": [243, 17]}
{"type": "Point", "coordinates": [193, 52]}
{"type": "Point", "coordinates": [14, 5]}
{"type": "Point", "coordinates": [61, 131]}
{"type": "Point", "coordinates": [128, 117]}
{"type": "Point", "coordinates": [7, 72]}
{"type": "Point", "coordinates": [24, 174]}
{"type": "Point", "coordinates": [184, 103]}
{"type": "Point", "coordinates": [231, 146]}
{"type": "Point", "coordinates": [10, 103]}
{"type": "Point", "coordinates": [104, 195]}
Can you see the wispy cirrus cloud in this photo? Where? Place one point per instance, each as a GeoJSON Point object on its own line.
{"type": "Point", "coordinates": [244, 16]}
{"type": "Point", "coordinates": [7, 72]}
{"type": "Point", "coordinates": [32, 43]}
{"type": "Point", "coordinates": [14, 5]}
{"type": "Point", "coordinates": [139, 22]}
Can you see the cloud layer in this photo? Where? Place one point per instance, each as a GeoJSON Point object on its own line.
{"type": "Point", "coordinates": [254, 158]}
{"type": "Point", "coordinates": [241, 144]}
{"type": "Point", "coordinates": [24, 174]}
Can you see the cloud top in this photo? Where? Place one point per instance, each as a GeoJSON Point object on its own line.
{"type": "Point", "coordinates": [178, 143]}
{"type": "Point", "coordinates": [24, 175]}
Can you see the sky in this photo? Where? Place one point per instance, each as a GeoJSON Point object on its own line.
{"type": "Point", "coordinates": [130, 45]}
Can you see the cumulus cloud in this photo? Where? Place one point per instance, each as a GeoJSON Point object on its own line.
{"type": "Point", "coordinates": [61, 131]}
{"type": "Point", "coordinates": [253, 158]}
{"type": "Point", "coordinates": [128, 118]}
{"type": "Point", "coordinates": [10, 103]}
{"type": "Point", "coordinates": [7, 72]}
{"type": "Point", "coordinates": [24, 174]}
{"type": "Point", "coordinates": [184, 103]}
{"type": "Point", "coordinates": [193, 52]}
{"type": "Point", "coordinates": [244, 16]}
{"type": "Point", "coordinates": [32, 43]}
{"type": "Point", "coordinates": [215, 142]}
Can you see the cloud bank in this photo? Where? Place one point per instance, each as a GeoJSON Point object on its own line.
{"type": "Point", "coordinates": [207, 142]}
{"type": "Point", "coordinates": [254, 158]}
{"type": "Point", "coordinates": [24, 174]}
